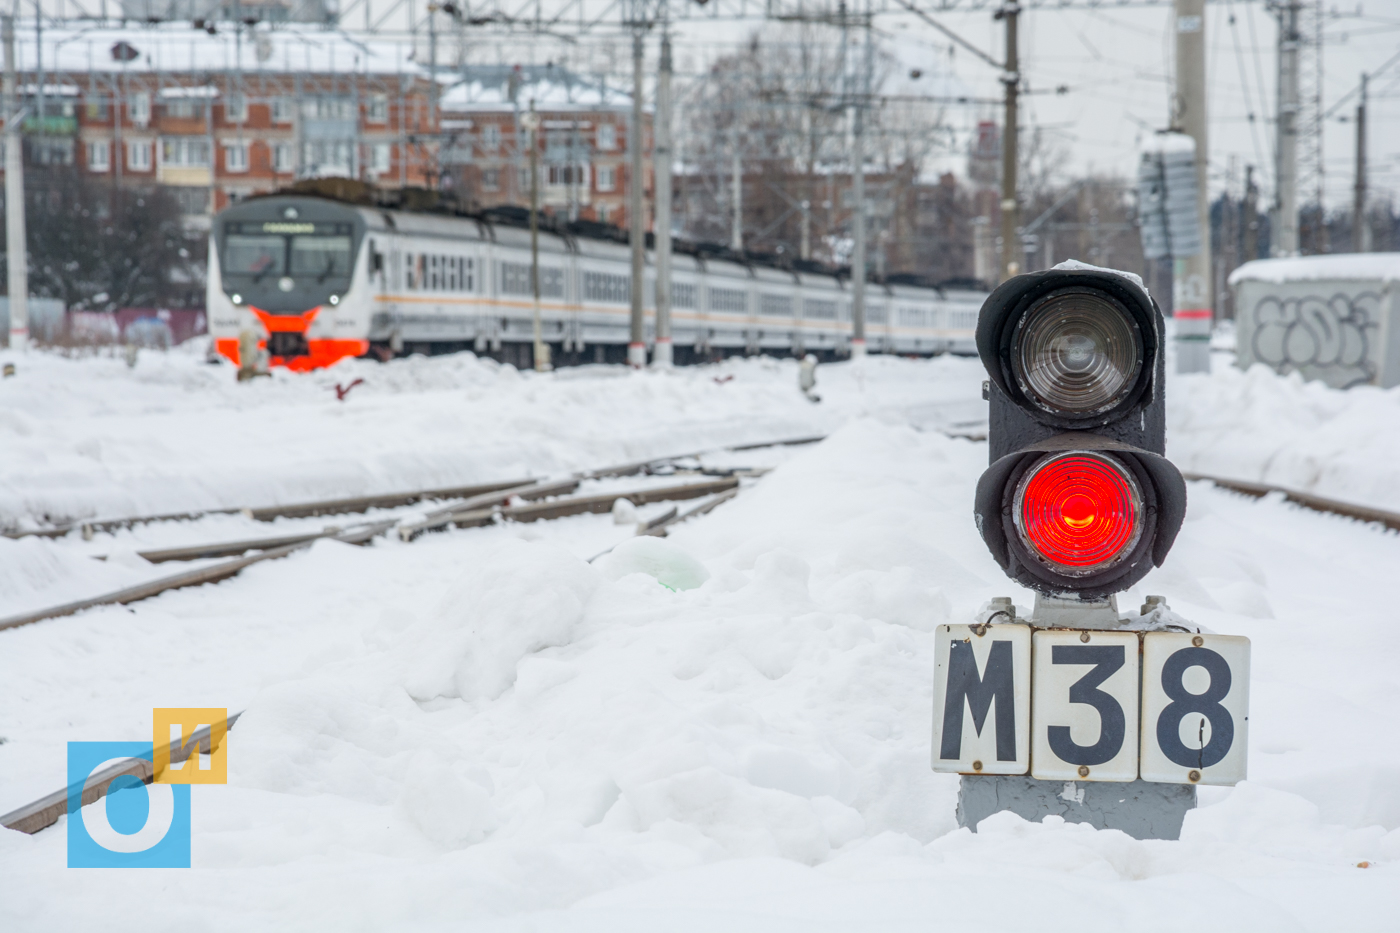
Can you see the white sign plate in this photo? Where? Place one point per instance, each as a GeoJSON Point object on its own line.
{"type": "Point", "coordinates": [1084, 706]}
{"type": "Point", "coordinates": [982, 699]}
{"type": "Point", "coordinates": [1195, 708]}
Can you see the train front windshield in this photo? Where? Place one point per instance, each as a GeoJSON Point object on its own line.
{"type": "Point", "coordinates": [320, 251]}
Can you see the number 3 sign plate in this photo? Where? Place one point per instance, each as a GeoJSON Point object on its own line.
{"type": "Point", "coordinates": [1195, 708]}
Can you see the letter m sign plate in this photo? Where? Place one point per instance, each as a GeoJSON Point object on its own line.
{"type": "Point", "coordinates": [982, 699]}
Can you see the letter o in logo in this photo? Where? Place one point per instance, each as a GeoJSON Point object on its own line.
{"type": "Point", "coordinates": [159, 816]}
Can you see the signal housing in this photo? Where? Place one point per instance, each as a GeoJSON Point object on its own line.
{"type": "Point", "coordinates": [1129, 430]}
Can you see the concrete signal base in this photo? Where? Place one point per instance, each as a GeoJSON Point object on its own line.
{"type": "Point", "coordinates": [1142, 809]}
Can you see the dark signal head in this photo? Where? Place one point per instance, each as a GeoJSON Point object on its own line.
{"type": "Point", "coordinates": [1078, 500]}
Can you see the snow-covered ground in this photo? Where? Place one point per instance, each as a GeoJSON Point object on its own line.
{"type": "Point", "coordinates": [727, 728]}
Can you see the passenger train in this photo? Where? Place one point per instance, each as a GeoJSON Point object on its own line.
{"type": "Point", "coordinates": [317, 279]}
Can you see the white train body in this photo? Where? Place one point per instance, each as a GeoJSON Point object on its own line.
{"type": "Point", "coordinates": [351, 278]}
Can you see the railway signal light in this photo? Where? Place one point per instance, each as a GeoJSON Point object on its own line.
{"type": "Point", "coordinates": [1078, 500]}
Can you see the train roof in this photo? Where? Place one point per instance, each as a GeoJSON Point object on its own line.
{"type": "Point", "coordinates": [421, 210]}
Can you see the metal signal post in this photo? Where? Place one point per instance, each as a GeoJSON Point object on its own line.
{"type": "Point", "coordinates": [1077, 711]}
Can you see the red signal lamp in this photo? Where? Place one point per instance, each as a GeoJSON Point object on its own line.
{"type": "Point", "coordinates": [1079, 512]}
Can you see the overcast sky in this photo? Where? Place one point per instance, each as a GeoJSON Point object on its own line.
{"type": "Point", "coordinates": [1118, 65]}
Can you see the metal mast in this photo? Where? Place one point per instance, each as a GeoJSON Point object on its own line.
{"type": "Point", "coordinates": [636, 347]}
{"type": "Point", "coordinates": [16, 253]}
{"type": "Point", "coordinates": [1010, 79]}
{"type": "Point", "coordinates": [858, 195]}
{"type": "Point", "coordinates": [1285, 225]}
{"type": "Point", "coordinates": [661, 174]}
{"type": "Point", "coordinates": [1361, 227]}
{"type": "Point", "coordinates": [1191, 292]}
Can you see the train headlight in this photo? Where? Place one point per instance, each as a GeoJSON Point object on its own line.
{"type": "Point", "coordinates": [236, 298]}
{"type": "Point", "coordinates": [286, 284]}
{"type": "Point", "coordinates": [335, 300]}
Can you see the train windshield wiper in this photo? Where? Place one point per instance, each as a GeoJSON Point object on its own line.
{"type": "Point", "coordinates": [330, 267]}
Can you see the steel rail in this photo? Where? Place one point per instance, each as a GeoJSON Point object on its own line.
{"type": "Point", "coordinates": [44, 812]}
{"type": "Point", "coordinates": [1362, 513]}
{"type": "Point", "coordinates": [196, 577]}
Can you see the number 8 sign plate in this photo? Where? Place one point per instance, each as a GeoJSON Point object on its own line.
{"type": "Point", "coordinates": [1195, 708]}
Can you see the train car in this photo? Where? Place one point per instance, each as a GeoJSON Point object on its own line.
{"type": "Point", "coordinates": [317, 279]}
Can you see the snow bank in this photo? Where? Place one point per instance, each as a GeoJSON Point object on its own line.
{"type": "Point", "coordinates": [1259, 426]}
{"type": "Point", "coordinates": [725, 729]}
{"type": "Point", "coordinates": [550, 745]}
{"type": "Point", "coordinates": [90, 437]}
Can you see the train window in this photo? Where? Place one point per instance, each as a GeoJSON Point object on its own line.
{"type": "Point", "coordinates": [729, 300]}
{"type": "Point", "coordinates": [322, 256]}
{"type": "Point", "coordinates": [471, 275]}
{"type": "Point", "coordinates": [683, 295]}
{"type": "Point", "coordinates": [912, 317]}
{"type": "Point", "coordinates": [877, 314]}
{"type": "Point", "coordinates": [515, 280]}
{"type": "Point", "coordinates": [819, 308]}
{"type": "Point", "coordinates": [775, 305]}
{"type": "Point", "coordinates": [413, 271]}
{"type": "Point", "coordinates": [613, 289]}
{"type": "Point", "coordinates": [435, 273]}
{"type": "Point", "coordinates": [253, 255]}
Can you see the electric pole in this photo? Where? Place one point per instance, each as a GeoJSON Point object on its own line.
{"type": "Point", "coordinates": [1285, 226]}
{"type": "Point", "coordinates": [1361, 237]}
{"type": "Point", "coordinates": [532, 123]}
{"type": "Point", "coordinates": [736, 172]}
{"type": "Point", "coordinates": [1191, 299]}
{"type": "Point", "coordinates": [1010, 80]}
{"type": "Point", "coordinates": [661, 175]}
{"type": "Point", "coordinates": [16, 254]}
{"type": "Point", "coordinates": [1251, 215]}
{"type": "Point", "coordinates": [858, 195]}
{"type": "Point", "coordinates": [637, 347]}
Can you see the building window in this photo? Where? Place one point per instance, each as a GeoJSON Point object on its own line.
{"type": "Point", "coordinates": [607, 178]}
{"type": "Point", "coordinates": [236, 109]}
{"type": "Point", "coordinates": [491, 179]}
{"type": "Point", "coordinates": [236, 157]}
{"type": "Point", "coordinates": [99, 153]}
{"type": "Point", "coordinates": [379, 157]}
{"type": "Point", "coordinates": [184, 151]}
{"type": "Point", "coordinates": [490, 136]}
{"type": "Point", "coordinates": [138, 155]}
{"type": "Point", "coordinates": [607, 137]}
{"type": "Point", "coordinates": [139, 107]}
{"type": "Point", "coordinates": [377, 110]}
{"type": "Point", "coordinates": [97, 109]}
{"type": "Point", "coordinates": [191, 200]}
{"type": "Point", "coordinates": [603, 213]}
{"type": "Point", "coordinates": [329, 108]}
{"type": "Point", "coordinates": [568, 175]}
{"type": "Point", "coordinates": [183, 108]}
{"type": "Point", "coordinates": [282, 158]}
{"type": "Point", "coordinates": [331, 156]}
{"type": "Point", "coordinates": [282, 110]}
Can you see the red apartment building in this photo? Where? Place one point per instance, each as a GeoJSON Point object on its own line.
{"type": "Point", "coordinates": [217, 118]}
{"type": "Point", "coordinates": [583, 140]}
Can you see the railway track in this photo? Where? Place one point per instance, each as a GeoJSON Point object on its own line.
{"type": "Point", "coordinates": [482, 504]}
{"type": "Point", "coordinates": [520, 502]}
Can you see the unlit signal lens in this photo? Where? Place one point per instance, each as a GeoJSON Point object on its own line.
{"type": "Point", "coordinates": [1076, 353]}
{"type": "Point", "coordinates": [1079, 511]}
